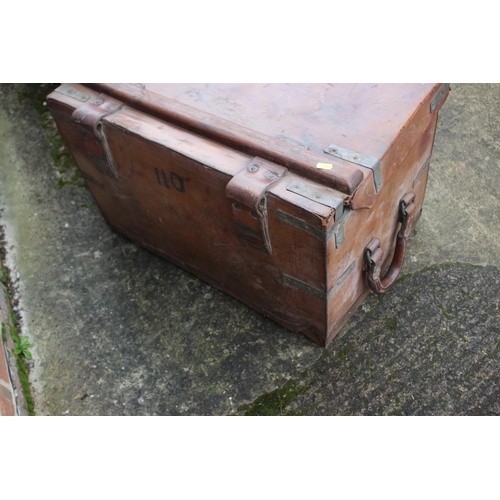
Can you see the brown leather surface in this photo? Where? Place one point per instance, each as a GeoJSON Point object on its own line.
{"type": "Point", "coordinates": [292, 124]}
{"type": "Point", "coordinates": [175, 190]}
{"type": "Point", "coordinates": [361, 117]}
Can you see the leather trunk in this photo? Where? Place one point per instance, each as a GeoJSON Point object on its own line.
{"type": "Point", "coordinates": [296, 199]}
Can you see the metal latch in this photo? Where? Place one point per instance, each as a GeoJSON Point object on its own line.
{"type": "Point", "coordinates": [247, 193]}
{"type": "Point", "coordinates": [89, 116]}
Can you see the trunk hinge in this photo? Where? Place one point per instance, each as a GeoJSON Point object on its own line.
{"type": "Point", "coordinates": [89, 116]}
{"type": "Point", "coordinates": [247, 193]}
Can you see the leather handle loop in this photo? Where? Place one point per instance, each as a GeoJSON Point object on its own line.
{"type": "Point", "coordinates": [374, 255]}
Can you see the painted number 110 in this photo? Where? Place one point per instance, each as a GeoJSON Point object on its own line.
{"type": "Point", "coordinates": [172, 180]}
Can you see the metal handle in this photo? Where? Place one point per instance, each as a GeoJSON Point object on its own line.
{"type": "Point", "coordinates": [374, 256]}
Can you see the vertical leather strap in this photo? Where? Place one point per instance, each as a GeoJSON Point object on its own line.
{"type": "Point", "coordinates": [89, 116]}
{"type": "Point", "coordinates": [247, 193]}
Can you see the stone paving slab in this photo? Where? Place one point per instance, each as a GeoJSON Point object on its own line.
{"type": "Point", "coordinates": [119, 331]}
{"type": "Point", "coordinates": [431, 348]}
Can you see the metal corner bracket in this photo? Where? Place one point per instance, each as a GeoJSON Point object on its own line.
{"type": "Point", "coordinates": [320, 195]}
{"type": "Point", "coordinates": [69, 91]}
{"type": "Point", "coordinates": [359, 159]}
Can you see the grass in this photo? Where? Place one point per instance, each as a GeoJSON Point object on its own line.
{"type": "Point", "coordinates": [21, 347]}
{"type": "Point", "coordinates": [22, 368]}
{"type": "Point", "coordinates": [25, 384]}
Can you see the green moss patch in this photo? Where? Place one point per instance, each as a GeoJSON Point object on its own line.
{"type": "Point", "coordinates": [275, 403]}
{"type": "Point", "coordinates": [390, 324]}
{"type": "Point", "coordinates": [5, 276]}
{"type": "Point", "coordinates": [445, 314]}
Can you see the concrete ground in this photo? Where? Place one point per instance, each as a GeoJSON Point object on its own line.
{"type": "Point", "coordinates": [119, 331]}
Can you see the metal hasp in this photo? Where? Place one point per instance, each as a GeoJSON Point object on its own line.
{"type": "Point", "coordinates": [358, 159]}
{"type": "Point", "coordinates": [247, 193]}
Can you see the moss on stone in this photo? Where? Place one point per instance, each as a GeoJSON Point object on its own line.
{"type": "Point", "coordinates": [341, 354]}
{"type": "Point", "coordinates": [445, 314]}
{"type": "Point", "coordinates": [276, 402]}
{"type": "Point", "coordinates": [390, 324]}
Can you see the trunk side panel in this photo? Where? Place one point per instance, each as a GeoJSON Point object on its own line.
{"type": "Point", "coordinates": [177, 207]}
{"type": "Point", "coordinates": [381, 221]}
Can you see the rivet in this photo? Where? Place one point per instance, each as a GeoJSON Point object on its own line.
{"type": "Point", "coordinates": [253, 168]}
{"type": "Point", "coordinates": [271, 176]}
